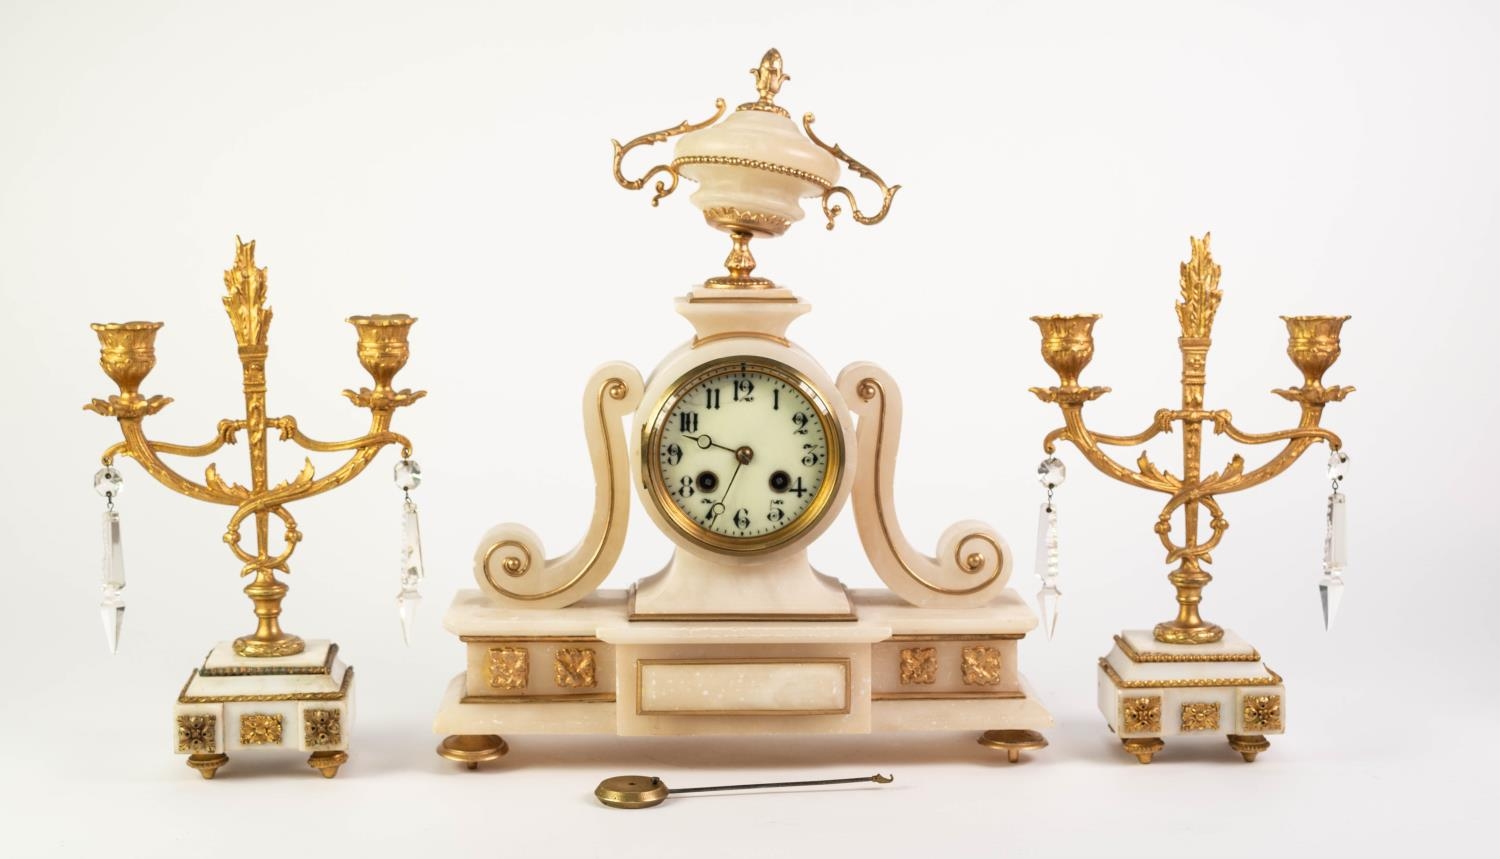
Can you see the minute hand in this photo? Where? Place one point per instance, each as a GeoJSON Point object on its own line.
{"type": "Point", "coordinates": [719, 505]}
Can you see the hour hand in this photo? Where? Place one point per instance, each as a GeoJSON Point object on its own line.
{"type": "Point", "coordinates": [705, 442]}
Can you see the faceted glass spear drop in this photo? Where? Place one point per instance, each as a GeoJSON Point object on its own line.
{"type": "Point", "coordinates": [1331, 593]}
{"type": "Point", "coordinates": [1335, 544]}
{"type": "Point", "coordinates": [107, 482]}
{"type": "Point", "coordinates": [1046, 566]}
{"type": "Point", "coordinates": [408, 475]}
{"type": "Point", "coordinates": [1331, 588]}
{"type": "Point", "coordinates": [1051, 474]}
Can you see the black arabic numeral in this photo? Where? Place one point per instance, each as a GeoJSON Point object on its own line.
{"type": "Point", "coordinates": [685, 489]}
{"type": "Point", "coordinates": [687, 421]}
{"type": "Point", "coordinates": [798, 488]}
{"type": "Point", "coordinates": [799, 420]}
{"type": "Point", "coordinates": [674, 454]}
{"type": "Point", "coordinates": [777, 514]}
{"type": "Point", "coordinates": [742, 518]}
{"type": "Point", "coordinates": [745, 387]}
{"type": "Point", "coordinates": [810, 458]}
{"type": "Point", "coordinates": [712, 396]}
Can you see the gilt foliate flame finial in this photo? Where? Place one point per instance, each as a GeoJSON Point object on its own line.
{"type": "Point", "coordinates": [769, 77]}
{"type": "Point", "coordinates": [768, 80]}
{"type": "Point", "coordinates": [1200, 290]}
{"type": "Point", "coordinates": [246, 299]}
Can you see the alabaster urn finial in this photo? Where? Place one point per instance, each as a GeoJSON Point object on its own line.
{"type": "Point", "coordinates": [753, 170]}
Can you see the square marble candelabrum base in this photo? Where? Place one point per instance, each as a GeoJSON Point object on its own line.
{"type": "Point", "coordinates": [1149, 690]}
{"type": "Point", "coordinates": [234, 703]}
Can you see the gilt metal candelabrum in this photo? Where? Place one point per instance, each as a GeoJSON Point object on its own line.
{"type": "Point", "coordinates": [127, 354]}
{"type": "Point", "coordinates": [1313, 345]}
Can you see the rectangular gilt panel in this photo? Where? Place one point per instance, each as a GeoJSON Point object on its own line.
{"type": "Point", "coordinates": [260, 729]}
{"type": "Point", "coordinates": [772, 686]}
{"type": "Point", "coordinates": [1200, 717]}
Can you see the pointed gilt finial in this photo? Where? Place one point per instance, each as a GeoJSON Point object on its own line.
{"type": "Point", "coordinates": [1200, 291]}
{"type": "Point", "coordinates": [768, 80]}
{"type": "Point", "coordinates": [246, 299]}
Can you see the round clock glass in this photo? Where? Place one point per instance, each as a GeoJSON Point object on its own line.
{"type": "Point", "coordinates": [743, 455]}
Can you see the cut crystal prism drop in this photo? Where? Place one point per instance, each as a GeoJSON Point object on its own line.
{"type": "Point", "coordinates": [112, 606]}
{"type": "Point", "coordinates": [412, 571]}
{"type": "Point", "coordinates": [1335, 548]}
{"type": "Point", "coordinates": [1052, 472]}
{"type": "Point", "coordinates": [1335, 556]}
{"type": "Point", "coordinates": [407, 474]}
{"type": "Point", "coordinates": [1331, 592]}
{"type": "Point", "coordinates": [1047, 564]}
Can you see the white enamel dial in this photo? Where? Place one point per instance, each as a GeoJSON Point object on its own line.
{"type": "Point", "coordinates": [741, 454]}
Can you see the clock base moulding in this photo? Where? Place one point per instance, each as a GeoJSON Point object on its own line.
{"type": "Point", "coordinates": [588, 669]}
{"type": "Point", "coordinates": [234, 704]}
{"type": "Point", "coordinates": [1149, 690]}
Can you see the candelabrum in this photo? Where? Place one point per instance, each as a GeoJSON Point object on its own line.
{"type": "Point", "coordinates": [127, 354]}
{"type": "Point", "coordinates": [1313, 346]}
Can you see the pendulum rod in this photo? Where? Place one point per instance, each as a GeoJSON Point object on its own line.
{"type": "Point", "coordinates": [877, 779]}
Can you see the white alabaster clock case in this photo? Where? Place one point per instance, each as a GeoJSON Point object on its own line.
{"type": "Point", "coordinates": [743, 450]}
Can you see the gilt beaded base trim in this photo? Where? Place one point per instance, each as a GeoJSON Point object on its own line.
{"type": "Point", "coordinates": [1136, 656]}
{"type": "Point", "coordinates": [270, 670]}
{"type": "Point", "coordinates": [184, 698]}
{"type": "Point", "coordinates": [1114, 676]}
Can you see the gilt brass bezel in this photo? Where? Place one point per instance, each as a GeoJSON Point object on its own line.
{"type": "Point", "coordinates": [683, 524]}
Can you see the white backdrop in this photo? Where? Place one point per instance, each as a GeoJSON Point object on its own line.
{"type": "Point", "coordinates": [452, 161]}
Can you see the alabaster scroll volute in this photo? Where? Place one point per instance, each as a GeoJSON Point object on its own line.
{"type": "Point", "coordinates": [973, 562]}
{"type": "Point", "coordinates": [510, 563]}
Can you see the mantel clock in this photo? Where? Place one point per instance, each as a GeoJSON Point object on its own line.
{"type": "Point", "coordinates": [743, 450]}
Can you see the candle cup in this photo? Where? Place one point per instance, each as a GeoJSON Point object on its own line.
{"type": "Point", "coordinates": [1067, 344]}
{"type": "Point", "coordinates": [383, 348]}
{"type": "Point", "coordinates": [127, 353]}
{"type": "Point", "coordinates": [1313, 344]}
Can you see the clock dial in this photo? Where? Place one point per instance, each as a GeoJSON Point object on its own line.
{"type": "Point", "coordinates": [745, 454]}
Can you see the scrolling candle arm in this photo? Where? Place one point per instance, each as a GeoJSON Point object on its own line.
{"type": "Point", "coordinates": [1068, 346]}
{"type": "Point", "coordinates": [127, 354]}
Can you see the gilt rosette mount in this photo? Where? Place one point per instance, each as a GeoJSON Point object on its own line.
{"type": "Point", "coordinates": [127, 354]}
{"type": "Point", "coordinates": [1181, 676]}
{"type": "Point", "coordinates": [753, 169]}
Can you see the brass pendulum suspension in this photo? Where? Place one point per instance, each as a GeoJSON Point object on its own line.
{"type": "Point", "coordinates": [644, 791]}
